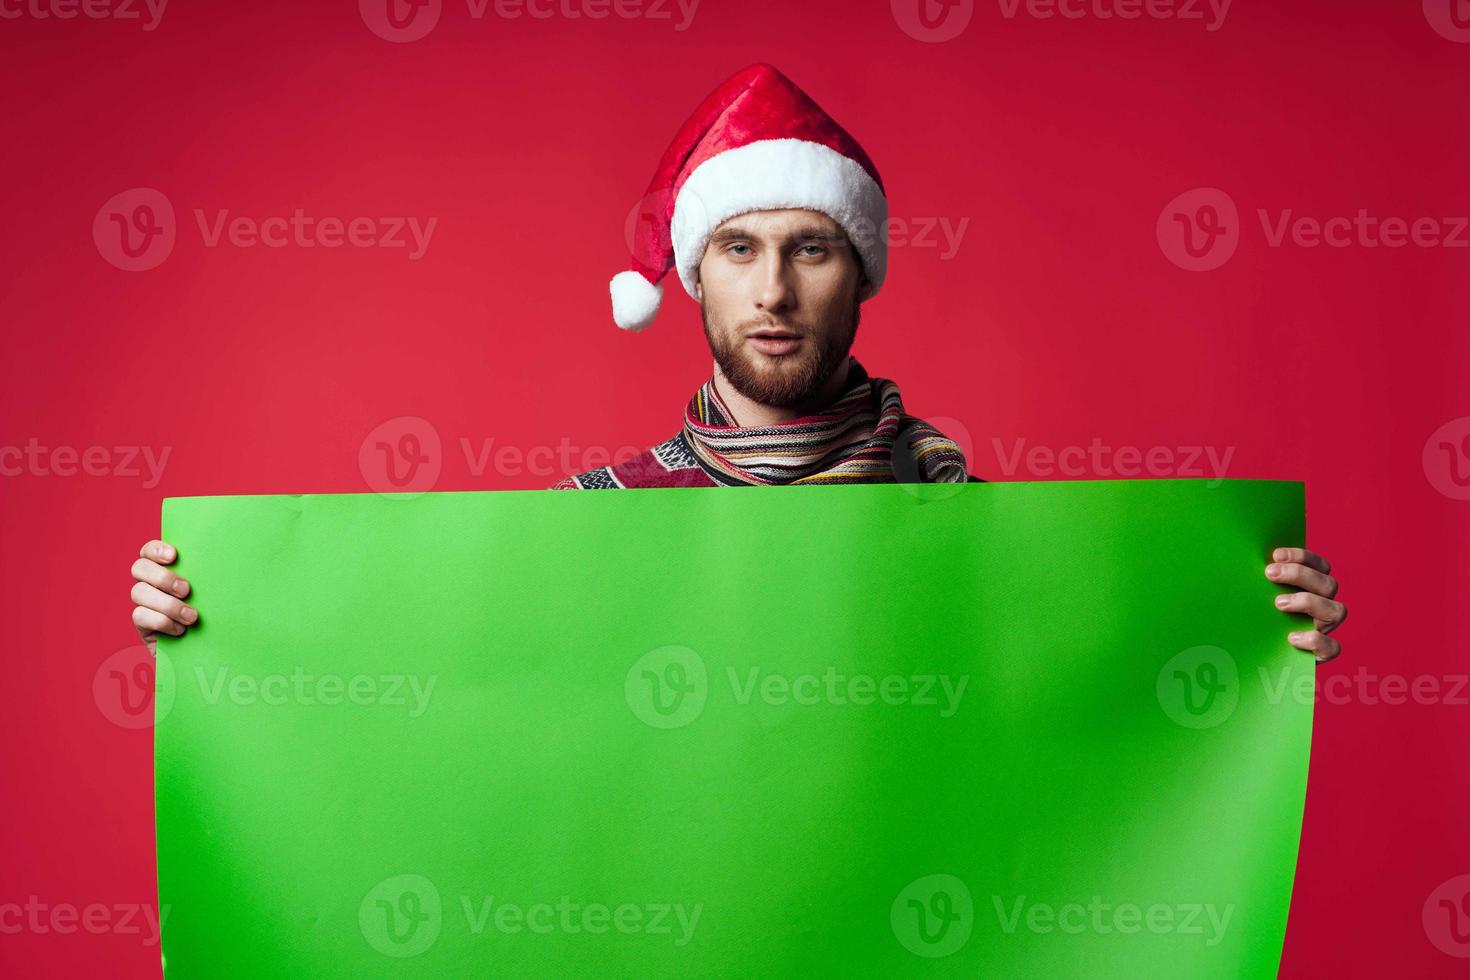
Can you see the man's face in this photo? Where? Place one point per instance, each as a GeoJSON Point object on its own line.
{"type": "Point", "coordinates": [792, 278]}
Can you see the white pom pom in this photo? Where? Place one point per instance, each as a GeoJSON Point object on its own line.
{"type": "Point", "coordinates": [635, 300]}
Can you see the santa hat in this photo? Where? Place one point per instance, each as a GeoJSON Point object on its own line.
{"type": "Point", "coordinates": [756, 143]}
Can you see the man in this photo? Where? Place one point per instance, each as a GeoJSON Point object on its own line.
{"type": "Point", "coordinates": [773, 217]}
{"type": "Point", "coordinates": [780, 294]}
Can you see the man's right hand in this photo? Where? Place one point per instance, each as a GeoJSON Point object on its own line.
{"type": "Point", "coordinates": [159, 594]}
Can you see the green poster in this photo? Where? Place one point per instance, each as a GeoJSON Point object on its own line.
{"type": "Point", "coordinates": [982, 730]}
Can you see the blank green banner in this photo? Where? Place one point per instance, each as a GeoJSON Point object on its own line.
{"type": "Point", "coordinates": [977, 730]}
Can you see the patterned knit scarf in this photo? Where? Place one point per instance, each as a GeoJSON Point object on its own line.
{"type": "Point", "coordinates": [852, 440]}
{"type": "Point", "coordinates": [849, 441]}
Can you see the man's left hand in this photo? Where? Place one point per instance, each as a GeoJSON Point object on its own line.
{"type": "Point", "coordinates": [1309, 572]}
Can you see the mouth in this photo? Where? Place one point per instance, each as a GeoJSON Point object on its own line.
{"type": "Point", "coordinates": [774, 340]}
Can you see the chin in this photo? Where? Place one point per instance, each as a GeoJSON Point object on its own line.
{"type": "Point", "coordinates": [781, 363]}
{"type": "Point", "coordinates": [781, 382]}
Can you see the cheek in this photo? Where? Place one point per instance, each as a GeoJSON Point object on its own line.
{"type": "Point", "coordinates": [720, 291]}
{"type": "Point", "coordinates": [827, 293]}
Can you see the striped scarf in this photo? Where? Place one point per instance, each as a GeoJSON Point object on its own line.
{"type": "Point", "coordinates": [849, 441]}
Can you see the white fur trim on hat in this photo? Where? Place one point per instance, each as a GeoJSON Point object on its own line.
{"type": "Point", "coordinates": [635, 300]}
{"type": "Point", "coordinates": [780, 173]}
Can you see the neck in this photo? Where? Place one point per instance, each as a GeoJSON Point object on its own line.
{"type": "Point", "coordinates": [748, 412]}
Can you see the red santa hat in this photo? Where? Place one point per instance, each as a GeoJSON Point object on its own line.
{"type": "Point", "coordinates": [755, 143]}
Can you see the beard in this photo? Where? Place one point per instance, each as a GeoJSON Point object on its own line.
{"type": "Point", "coordinates": [783, 380]}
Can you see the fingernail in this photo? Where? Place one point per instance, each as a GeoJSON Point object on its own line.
{"type": "Point", "coordinates": [168, 553]}
{"type": "Point", "coordinates": [1296, 637]}
{"type": "Point", "coordinates": [1273, 570]}
{"type": "Point", "coordinates": [1282, 601]}
{"type": "Point", "coordinates": [1279, 554]}
{"type": "Point", "coordinates": [181, 586]}
{"type": "Point", "coordinates": [189, 614]}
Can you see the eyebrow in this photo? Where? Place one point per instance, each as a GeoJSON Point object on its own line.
{"type": "Point", "coordinates": [803, 234]}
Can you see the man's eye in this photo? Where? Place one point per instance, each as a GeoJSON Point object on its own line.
{"type": "Point", "coordinates": [738, 245]}
{"type": "Point", "coordinates": [819, 249]}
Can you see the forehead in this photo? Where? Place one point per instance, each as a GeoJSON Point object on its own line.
{"type": "Point", "coordinates": [779, 222]}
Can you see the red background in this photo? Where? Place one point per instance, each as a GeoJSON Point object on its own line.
{"type": "Point", "coordinates": [1058, 320]}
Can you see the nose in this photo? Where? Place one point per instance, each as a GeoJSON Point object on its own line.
{"type": "Point", "coordinates": [774, 293]}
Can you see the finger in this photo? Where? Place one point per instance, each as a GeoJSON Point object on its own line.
{"type": "Point", "coordinates": [150, 597]}
{"type": "Point", "coordinates": [1303, 557]}
{"type": "Point", "coordinates": [1325, 647]}
{"type": "Point", "coordinates": [159, 551]}
{"type": "Point", "coordinates": [151, 619]}
{"type": "Point", "coordinates": [1292, 573]}
{"type": "Point", "coordinates": [1328, 613]}
{"type": "Point", "coordinates": [159, 577]}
